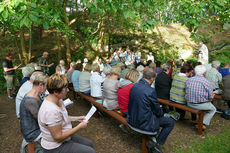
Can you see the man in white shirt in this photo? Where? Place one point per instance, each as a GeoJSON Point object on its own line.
{"type": "Point", "coordinates": [95, 81]}
{"type": "Point", "coordinates": [150, 57]}
{"type": "Point", "coordinates": [85, 62]}
{"type": "Point", "coordinates": [203, 54]}
{"type": "Point", "coordinates": [62, 65]}
{"type": "Point", "coordinates": [101, 65]}
{"type": "Point", "coordinates": [138, 56]}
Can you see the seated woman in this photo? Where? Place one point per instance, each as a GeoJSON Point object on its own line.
{"type": "Point", "coordinates": [29, 108]}
{"type": "Point", "coordinates": [125, 86]}
{"type": "Point", "coordinates": [110, 88]}
{"type": "Point", "coordinates": [163, 83]}
{"type": "Point", "coordinates": [58, 135]}
{"type": "Point", "coordinates": [84, 80]}
{"type": "Point", "coordinates": [95, 81]}
{"type": "Point", "coordinates": [75, 76]}
{"type": "Point", "coordinates": [26, 72]}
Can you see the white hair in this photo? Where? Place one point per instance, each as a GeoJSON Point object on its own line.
{"type": "Point", "coordinates": [107, 70]}
{"type": "Point", "coordinates": [34, 75]}
{"type": "Point", "coordinates": [215, 64]}
{"type": "Point", "coordinates": [200, 69]}
{"type": "Point", "coordinates": [94, 67]}
{"type": "Point", "coordinates": [165, 67]}
{"type": "Point", "coordinates": [27, 71]}
{"type": "Point", "coordinates": [45, 53]}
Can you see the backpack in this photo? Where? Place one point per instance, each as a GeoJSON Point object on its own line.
{"type": "Point", "coordinates": [226, 114]}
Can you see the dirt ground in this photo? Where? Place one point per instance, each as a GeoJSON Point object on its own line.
{"type": "Point", "coordinates": [105, 132]}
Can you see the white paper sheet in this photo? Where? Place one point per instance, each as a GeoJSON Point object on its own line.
{"type": "Point", "coordinates": [90, 113]}
{"type": "Point", "coordinates": [67, 102]}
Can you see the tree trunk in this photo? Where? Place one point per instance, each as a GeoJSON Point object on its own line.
{"type": "Point", "coordinates": [58, 34]}
{"type": "Point", "coordinates": [23, 48]}
{"type": "Point", "coordinates": [30, 43]}
{"type": "Point", "coordinates": [68, 54]}
{"type": "Point", "coordinates": [101, 36]}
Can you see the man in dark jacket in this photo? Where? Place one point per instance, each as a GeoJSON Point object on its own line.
{"type": "Point", "coordinates": [144, 112]}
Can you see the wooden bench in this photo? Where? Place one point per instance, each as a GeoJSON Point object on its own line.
{"type": "Point", "coordinates": [111, 113]}
{"type": "Point", "coordinates": [200, 113]}
{"type": "Point", "coordinates": [30, 148]}
{"type": "Point", "coordinates": [218, 97]}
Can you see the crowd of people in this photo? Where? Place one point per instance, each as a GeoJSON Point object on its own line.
{"type": "Point", "coordinates": [125, 82]}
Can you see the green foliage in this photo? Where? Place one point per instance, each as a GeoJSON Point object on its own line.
{"type": "Point", "coordinates": [222, 55]}
{"type": "Point", "coordinates": [2, 82]}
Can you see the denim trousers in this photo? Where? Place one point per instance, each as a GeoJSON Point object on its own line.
{"type": "Point", "coordinates": [167, 125]}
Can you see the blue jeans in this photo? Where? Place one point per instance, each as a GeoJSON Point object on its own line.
{"type": "Point", "coordinates": [167, 125]}
{"type": "Point", "coordinates": [86, 92]}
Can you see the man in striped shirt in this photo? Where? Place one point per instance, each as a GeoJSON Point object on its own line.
{"type": "Point", "coordinates": [177, 92]}
{"type": "Point", "coordinates": [199, 94]}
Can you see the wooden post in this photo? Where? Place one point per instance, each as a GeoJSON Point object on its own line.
{"type": "Point", "coordinates": [144, 141]}
{"type": "Point", "coordinates": [200, 123]}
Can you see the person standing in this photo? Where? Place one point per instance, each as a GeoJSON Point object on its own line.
{"type": "Point", "coordinates": [44, 63]}
{"type": "Point", "coordinates": [150, 57]}
{"type": "Point", "coordinates": [9, 75]}
{"type": "Point", "coordinates": [62, 65]}
{"type": "Point", "coordinates": [138, 56]}
{"type": "Point", "coordinates": [203, 53]}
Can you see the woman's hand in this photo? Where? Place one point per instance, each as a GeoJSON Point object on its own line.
{"type": "Point", "coordinates": [80, 118]}
{"type": "Point", "coordinates": [82, 125]}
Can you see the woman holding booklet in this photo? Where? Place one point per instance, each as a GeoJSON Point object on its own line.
{"type": "Point", "coordinates": [58, 135]}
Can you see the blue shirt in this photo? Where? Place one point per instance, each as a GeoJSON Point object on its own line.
{"type": "Point", "coordinates": [224, 71]}
{"type": "Point", "coordinates": [75, 80]}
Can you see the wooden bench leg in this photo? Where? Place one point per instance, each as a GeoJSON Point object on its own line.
{"type": "Point", "coordinates": [144, 141]}
{"type": "Point", "coordinates": [96, 114]}
{"type": "Point", "coordinates": [200, 123]}
{"type": "Point", "coordinates": [30, 148]}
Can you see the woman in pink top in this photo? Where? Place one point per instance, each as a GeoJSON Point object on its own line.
{"type": "Point", "coordinates": [125, 86]}
{"type": "Point", "coordinates": [58, 135]}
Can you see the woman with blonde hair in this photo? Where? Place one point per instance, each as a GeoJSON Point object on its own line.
{"type": "Point", "coordinates": [58, 135]}
{"type": "Point", "coordinates": [29, 108]}
{"type": "Point", "coordinates": [110, 87]}
{"type": "Point", "coordinates": [125, 86]}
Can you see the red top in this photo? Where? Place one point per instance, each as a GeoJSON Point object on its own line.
{"type": "Point", "coordinates": [67, 68]}
{"type": "Point", "coordinates": [123, 97]}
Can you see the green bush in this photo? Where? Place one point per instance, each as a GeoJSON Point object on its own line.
{"type": "Point", "coordinates": [222, 55]}
{"type": "Point", "coordinates": [2, 82]}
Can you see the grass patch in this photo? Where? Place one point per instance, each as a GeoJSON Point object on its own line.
{"type": "Point", "coordinates": [214, 144]}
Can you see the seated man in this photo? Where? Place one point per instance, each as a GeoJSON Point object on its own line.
{"type": "Point", "coordinates": [145, 113]}
{"type": "Point", "coordinates": [177, 92]}
{"type": "Point", "coordinates": [199, 94]}
{"type": "Point", "coordinates": [214, 77]}
{"type": "Point", "coordinates": [225, 70]}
